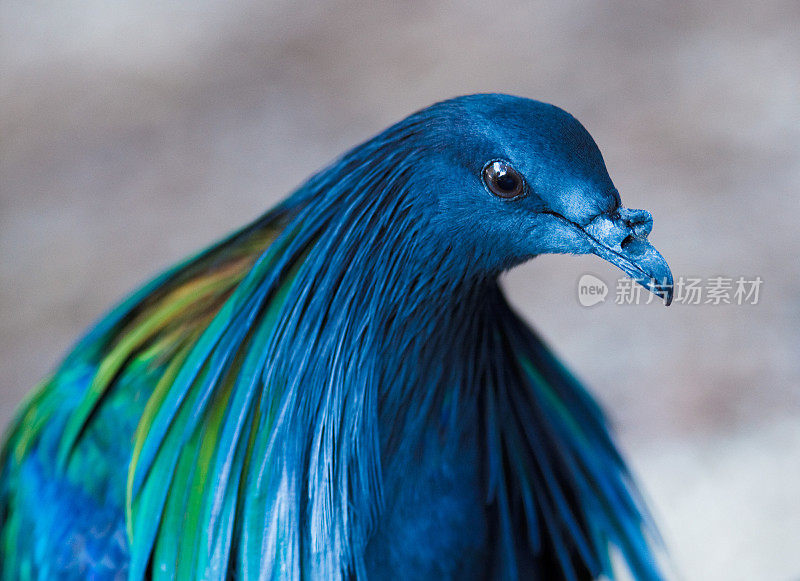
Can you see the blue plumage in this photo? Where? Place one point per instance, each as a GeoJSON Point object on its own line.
{"type": "Point", "coordinates": [341, 389]}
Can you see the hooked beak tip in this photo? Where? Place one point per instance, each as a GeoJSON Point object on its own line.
{"type": "Point", "coordinates": [665, 290]}
{"type": "Point", "coordinates": [668, 297]}
{"type": "Point", "coordinates": [621, 239]}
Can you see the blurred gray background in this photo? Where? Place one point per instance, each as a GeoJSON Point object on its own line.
{"type": "Point", "coordinates": [133, 133]}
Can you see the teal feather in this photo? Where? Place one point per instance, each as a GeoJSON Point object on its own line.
{"type": "Point", "coordinates": [257, 411]}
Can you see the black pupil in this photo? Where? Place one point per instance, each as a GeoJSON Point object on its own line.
{"type": "Point", "coordinates": [505, 180]}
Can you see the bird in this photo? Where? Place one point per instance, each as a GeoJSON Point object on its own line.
{"type": "Point", "coordinates": [341, 390]}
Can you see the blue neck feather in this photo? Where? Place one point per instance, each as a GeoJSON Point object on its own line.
{"type": "Point", "coordinates": [364, 324]}
{"type": "Point", "coordinates": [383, 305]}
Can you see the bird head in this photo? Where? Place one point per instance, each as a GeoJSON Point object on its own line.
{"type": "Point", "coordinates": [514, 178]}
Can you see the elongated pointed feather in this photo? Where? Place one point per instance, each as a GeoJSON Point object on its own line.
{"type": "Point", "coordinates": [271, 362]}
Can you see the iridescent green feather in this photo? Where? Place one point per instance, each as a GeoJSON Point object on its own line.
{"type": "Point", "coordinates": [237, 413]}
{"type": "Point", "coordinates": [149, 337]}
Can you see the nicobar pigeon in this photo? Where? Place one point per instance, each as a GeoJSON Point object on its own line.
{"type": "Point", "coordinates": [340, 390]}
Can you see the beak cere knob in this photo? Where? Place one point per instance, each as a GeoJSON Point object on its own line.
{"type": "Point", "coordinates": [640, 221]}
{"type": "Point", "coordinates": [620, 237]}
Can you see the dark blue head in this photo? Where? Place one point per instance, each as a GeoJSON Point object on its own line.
{"type": "Point", "coordinates": [510, 178]}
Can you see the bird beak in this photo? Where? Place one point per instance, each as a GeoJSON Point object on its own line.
{"type": "Point", "coordinates": [620, 237]}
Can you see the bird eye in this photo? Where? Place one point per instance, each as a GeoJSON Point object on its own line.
{"type": "Point", "coordinates": [503, 180]}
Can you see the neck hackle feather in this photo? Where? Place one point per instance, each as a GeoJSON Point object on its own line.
{"type": "Point", "coordinates": [289, 363]}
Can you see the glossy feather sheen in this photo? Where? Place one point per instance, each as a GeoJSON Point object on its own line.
{"type": "Point", "coordinates": [246, 414]}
